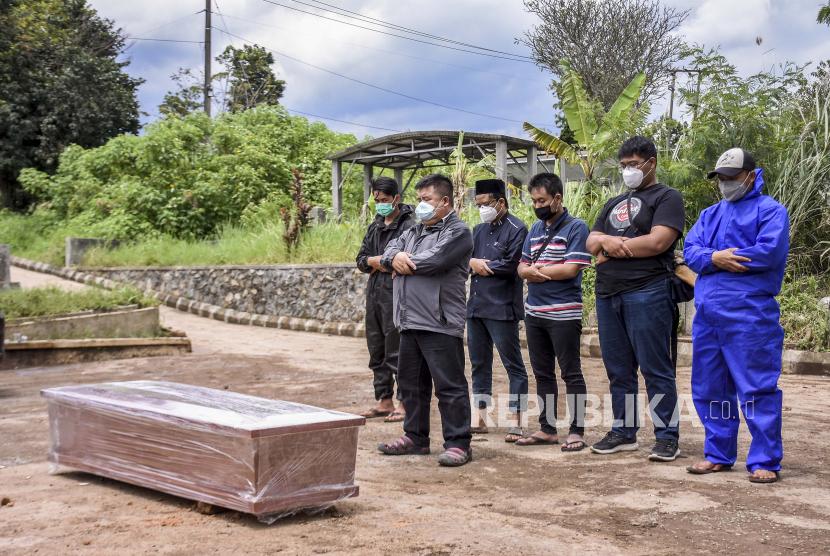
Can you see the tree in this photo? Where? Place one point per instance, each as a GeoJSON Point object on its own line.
{"type": "Point", "coordinates": [607, 43]}
{"type": "Point", "coordinates": [61, 83]}
{"type": "Point", "coordinates": [246, 82]}
{"type": "Point", "coordinates": [251, 81]}
{"type": "Point", "coordinates": [187, 99]}
{"type": "Point", "coordinates": [592, 129]}
{"type": "Point", "coordinates": [824, 14]}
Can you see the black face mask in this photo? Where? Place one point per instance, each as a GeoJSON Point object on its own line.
{"type": "Point", "coordinates": [544, 213]}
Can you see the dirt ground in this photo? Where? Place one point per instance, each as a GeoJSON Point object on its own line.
{"type": "Point", "coordinates": [509, 500]}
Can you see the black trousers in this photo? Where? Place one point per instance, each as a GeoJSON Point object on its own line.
{"type": "Point", "coordinates": [382, 338]}
{"type": "Point", "coordinates": [549, 341]}
{"type": "Point", "coordinates": [428, 358]}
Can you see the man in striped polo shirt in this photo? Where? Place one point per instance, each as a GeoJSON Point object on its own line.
{"type": "Point", "coordinates": [553, 257]}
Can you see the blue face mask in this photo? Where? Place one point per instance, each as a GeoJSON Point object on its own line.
{"type": "Point", "coordinates": [425, 211]}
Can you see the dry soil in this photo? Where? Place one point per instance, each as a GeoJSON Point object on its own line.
{"type": "Point", "coordinates": [509, 500]}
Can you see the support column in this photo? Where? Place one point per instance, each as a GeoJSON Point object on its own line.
{"type": "Point", "coordinates": [368, 171]}
{"type": "Point", "coordinates": [532, 162]}
{"type": "Point", "coordinates": [399, 178]}
{"type": "Point", "coordinates": [336, 193]}
{"type": "Point", "coordinates": [501, 162]}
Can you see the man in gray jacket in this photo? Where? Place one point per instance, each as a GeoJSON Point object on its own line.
{"type": "Point", "coordinates": [431, 263]}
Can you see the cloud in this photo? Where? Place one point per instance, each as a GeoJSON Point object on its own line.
{"type": "Point", "coordinates": [788, 26]}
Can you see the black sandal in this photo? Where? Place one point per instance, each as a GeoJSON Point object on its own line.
{"type": "Point", "coordinates": [695, 471]}
{"type": "Point", "coordinates": [455, 457]}
{"type": "Point", "coordinates": [403, 447]}
{"type": "Point", "coordinates": [770, 480]}
{"type": "Point", "coordinates": [374, 414]}
{"type": "Point", "coordinates": [536, 441]}
{"type": "Point", "coordinates": [579, 448]}
{"type": "Point", "coordinates": [394, 417]}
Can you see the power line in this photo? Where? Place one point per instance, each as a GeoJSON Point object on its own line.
{"type": "Point", "coordinates": [168, 24]}
{"type": "Point", "coordinates": [163, 40]}
{"type": "Point", "coordinates": [385, 51]}
{"type": "Point", "coordinates": [394, 35]}
{"type": "Point", "coordinates": [380, 22]}
{"type": "Point", "coordinates": [378, 87]}
{"type": "Point", "coordinates": [342, 121]}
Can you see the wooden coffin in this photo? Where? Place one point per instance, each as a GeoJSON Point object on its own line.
{"type": "Point", "coordinates": [240, 452]}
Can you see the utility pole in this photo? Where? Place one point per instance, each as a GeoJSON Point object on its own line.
{"type": "Point", "coordinates": [671, 106]}
{"type": "Point", "coordinates": [207, 57]}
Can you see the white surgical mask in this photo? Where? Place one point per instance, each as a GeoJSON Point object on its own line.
{"type": "Point", "coordinates": [488, 214]}
{"type": "Point", "coordinates": [633, 177]}
{"type": "Point", "coordinates": [425, 211]}
{"type": "Point", "coordinates": [733, 190]}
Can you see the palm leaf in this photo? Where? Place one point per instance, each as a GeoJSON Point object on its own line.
{"type": "Point", "coordinates": [824, 14]}
{"type": "Point", "coordinates": [628, 97]}
{"type": "Point", "coordinates": [622, 105]}
{"type": "Point", "coordinates": [576, 107]}
{"type": "Point", "coordinates": [553, 144]}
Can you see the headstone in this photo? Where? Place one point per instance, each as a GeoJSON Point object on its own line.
{"type": "Point", "coordinates": [317, 216]}
{"type": "Point", "coordinates": [77, 246]}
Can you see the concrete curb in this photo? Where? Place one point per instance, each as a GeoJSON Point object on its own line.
{"type": "Point", "coordinates": [355, 330]}
{"type": "Point", "coordinates": [793, 361]}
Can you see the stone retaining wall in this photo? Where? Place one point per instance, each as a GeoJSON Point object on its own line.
{"type": "Point", "coordinates": [331, 292]}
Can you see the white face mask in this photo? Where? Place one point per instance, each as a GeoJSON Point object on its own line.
{"type": "Point", "coordinates": [488, 214]}
{"type": "Point", "coordinates": [633, 177]}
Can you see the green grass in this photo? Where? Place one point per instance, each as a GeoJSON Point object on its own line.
{"type": "Point", "coordinates": [52, 300]}
{"type": "Point", "coordinates": [802, 316]}
{"type": "Point", "coordinates": [329, 243]}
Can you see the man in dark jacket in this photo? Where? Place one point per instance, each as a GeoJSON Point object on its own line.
{"type": "Point", "coordinates": [431, 264]}
{"type": "Point", "coordinates": [382, 337]}
{"type": "Point", "coordinates": [495, 306]}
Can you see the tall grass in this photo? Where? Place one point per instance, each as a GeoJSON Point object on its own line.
{"type": "Point", "coordinates": [801, 183]}
{"type": "Point", "coordinates": [329, 243]}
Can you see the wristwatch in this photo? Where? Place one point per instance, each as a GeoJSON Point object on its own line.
{"type": "Point", "coordinates": [605, 254]}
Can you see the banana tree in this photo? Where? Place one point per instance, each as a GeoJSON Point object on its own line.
{"type": "Point", "coordinates": [464, 173]}
{"type": "Point", "coordinates": [590, 127]}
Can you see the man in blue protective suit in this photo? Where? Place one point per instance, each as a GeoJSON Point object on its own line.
{"type": "Point", "coordinates": [739, 250]}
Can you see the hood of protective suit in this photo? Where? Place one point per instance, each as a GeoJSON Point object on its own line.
{"type": "Point", "coordinates": [759, 227]}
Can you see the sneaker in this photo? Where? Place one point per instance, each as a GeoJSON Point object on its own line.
{"type": "Point", "coordinates": [665, 449]}
{"type": "Point", "coordinates": [613, 442]}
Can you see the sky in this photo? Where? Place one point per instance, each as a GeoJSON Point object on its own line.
{"type": "Point", "coordinates": [502, 93]}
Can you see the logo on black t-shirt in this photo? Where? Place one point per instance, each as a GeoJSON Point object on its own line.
{"type": "Point", "coordinates": [618, 217]}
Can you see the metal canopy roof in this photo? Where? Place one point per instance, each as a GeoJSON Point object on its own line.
{"type": "Point", "coordinates": [412, 148]}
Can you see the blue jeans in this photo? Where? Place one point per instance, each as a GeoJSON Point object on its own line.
{"type": "Point", "coordinates": [635, 330]}
{"type": "Point", "coordinates": [481, 335]}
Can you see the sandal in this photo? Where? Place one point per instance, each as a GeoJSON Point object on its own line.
{"type": "Point", "coordinates": [479, 430]}
{"type": "Point", "coordinates": [513, 431]}
{"type": "Point", "coordinates": [456, 457]}
{"type": "Point", "coordinates": [395, 417]}
{"type": "Point", "coordinates": [581, 446]}
{"type": "Point", "coordinates": [536, 441]}
{"type": "Point", "coordinates": [695, 471]}
{"type": "Point", "coordinates": [374, 413]}
{"type": "Point", "coordinates": [770, 480]}
{"type": "Point", "coordinates": [402, 447]}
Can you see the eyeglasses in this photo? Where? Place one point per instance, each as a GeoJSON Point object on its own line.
{"type": "Point", "coordinates": [633, 164]}
{"type": "Point", "coordinates": [487, 204]}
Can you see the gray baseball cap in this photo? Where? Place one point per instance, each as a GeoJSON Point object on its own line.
{"type": "Point", "coordinates": [733, 162]}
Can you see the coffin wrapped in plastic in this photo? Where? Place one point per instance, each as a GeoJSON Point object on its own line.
{"type": "Point", "coordinates": [240, 452]}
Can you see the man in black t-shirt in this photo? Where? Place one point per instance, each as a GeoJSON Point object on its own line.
{"type": "Point", "coordinates": [635, 312]}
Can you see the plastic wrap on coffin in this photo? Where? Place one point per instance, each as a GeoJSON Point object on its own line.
{"type": "Point", "coordinates": [240, 452]}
